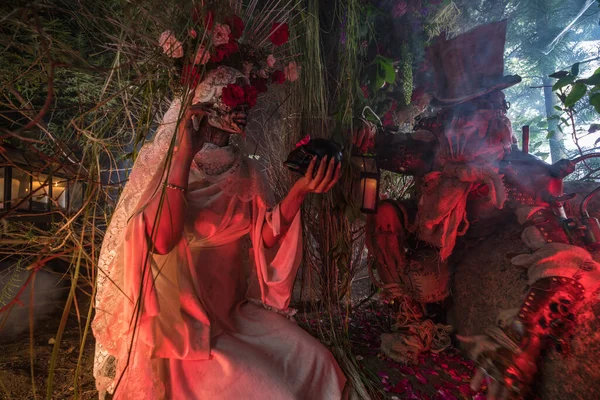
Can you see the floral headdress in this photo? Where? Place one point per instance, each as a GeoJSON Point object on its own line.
{"type": "Point", "coordinates": [255, 47]}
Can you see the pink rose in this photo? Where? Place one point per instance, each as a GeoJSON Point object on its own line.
{"type": "Point", "coordinates": [221, 34]}
{"type": "Point", "coordinates": [271, 61]}
{"type": "Point", "coordinates": [192, 33]}
{"type": "Point", "coordinates": [202, 56]}
{"type": "Point", "coordinates": [170, 45]}
{"type": "Point", "coordinates": [292, 71]}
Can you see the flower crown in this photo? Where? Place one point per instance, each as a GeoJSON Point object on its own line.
{"type": "Point", "coordinates": [212, 41]}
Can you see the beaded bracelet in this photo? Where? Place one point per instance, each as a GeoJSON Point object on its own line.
{"type": "Point", "coordinates": [175, 187]}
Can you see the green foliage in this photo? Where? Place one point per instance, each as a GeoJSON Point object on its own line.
{"type": "Point", "coordinates": [577, 88]}
{"type": "Point", "coordinates": [385, 72]}
{"type": "Point", "coordinates": [532, 26]}
{"type": "Point", "coordinates": [571, 92]}
{"type": "Point", "coordinates": [577, 91]}
{"type": "Point", "coordinates": [392, 51]}
{"type": "Point", "coordinates": [595, 101]}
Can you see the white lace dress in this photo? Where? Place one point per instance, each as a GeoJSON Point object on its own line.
{"type": "Point", "coordinates": [198, 336]}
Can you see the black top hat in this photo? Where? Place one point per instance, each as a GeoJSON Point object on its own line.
{"type": "Point", "coordinates": [470, 65]}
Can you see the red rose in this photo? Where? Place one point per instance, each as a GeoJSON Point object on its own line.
{"type": "Point", "coordinates": [278, 77]}
{"type": "Point", "coordinates": [250, 95]}
{"type": "Point", "coordinates": [208, 18]}
{"type": "Point", "coordinates": [190, 75]}
{"type": "Point", "coordinates": [260, 84]}
{"type": "Point", "coordinates": [233, 95]}
{"type": "Point", "coordinates": [279, 34]}
{"type": "Point", "coordinates": [224, 51]}
{"type": "Point", "coordinates": [237, 26]}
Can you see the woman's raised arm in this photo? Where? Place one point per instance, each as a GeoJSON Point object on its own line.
{"type": "Point", "coordinates": [164, 214]}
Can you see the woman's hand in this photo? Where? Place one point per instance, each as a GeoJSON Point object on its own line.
{"type": "Point", "coordinates": [191, 134]}
{"type": "Point", "coordinates": [323, 180]}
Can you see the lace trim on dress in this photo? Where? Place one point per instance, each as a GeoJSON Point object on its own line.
{"type": "Point", "coordinates": [231, 170]}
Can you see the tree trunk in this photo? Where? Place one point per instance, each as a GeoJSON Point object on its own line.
{"type": "Point", "coordinates": [556, 137]}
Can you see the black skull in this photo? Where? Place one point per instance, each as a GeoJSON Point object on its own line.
{"type": "Point", "coordinates": [299, 159]}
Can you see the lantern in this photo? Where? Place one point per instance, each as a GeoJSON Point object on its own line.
{"type": "Point", "coordinates": [367, 190]}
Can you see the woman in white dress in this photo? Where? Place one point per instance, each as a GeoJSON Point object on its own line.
{"type": "Point", "coordinates": [179, 316]}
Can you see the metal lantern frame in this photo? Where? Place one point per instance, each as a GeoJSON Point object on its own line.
{"type": "Point", "coordinates": [368, 182]}
{"type": "Point", "coordinates": [370, 175]}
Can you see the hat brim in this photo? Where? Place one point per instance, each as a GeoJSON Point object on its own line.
{"type": "Point", "coordinates": [505, 82]}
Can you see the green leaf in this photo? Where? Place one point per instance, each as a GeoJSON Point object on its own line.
{"type": "Point", "coordinates": [575, 69]}
{"type": "Point", "coordinates": [550, 134]}
{"type": "Point", "coordinates": [559, 74]}
{"type": "Point", "coordinates": [592, 80]}
{"type": "Point", "coordinates": [557, 108]}
{"type": "Point", "coordinates": [386, 69]}
{"type": "Point", "coordinates": [595, 101]}
{"type": "Point", "coordinates": [562, 82]}
{"type": "Point", "coordinates": [542, 155]}
{"type": "Point", "coordinates": [553, 117]}
{"type": "Point", "coordinates": [564, 121]}
{"type": "Point", "coordinates": [577, 92]}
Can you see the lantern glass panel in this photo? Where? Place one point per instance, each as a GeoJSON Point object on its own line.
{"type": "Point", "coordinates": [369, 196]}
